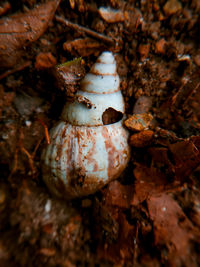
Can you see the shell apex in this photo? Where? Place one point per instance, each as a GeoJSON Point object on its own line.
{"type": "Point", "coordinates": [103, 77]}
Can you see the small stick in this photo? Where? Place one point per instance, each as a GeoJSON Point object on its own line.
{"type": "Point", "coordinates": [18, 68]}
{"type": "Point", "coordinates": [23, 149]}
{"type": "Point", "coordinates": [15, 164]}
{"type": "Point", "coordinates": [92, 33]}
{"type": "Point", "coordinates": [36, 147]}
{"type": "Point", "coordinates": [46, 132]}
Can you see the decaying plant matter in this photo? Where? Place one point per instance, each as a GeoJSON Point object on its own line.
{"type": "Point", "coordinates": [149, 216]}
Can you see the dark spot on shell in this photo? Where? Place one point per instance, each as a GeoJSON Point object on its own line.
{"type": "Point", "coordinates": [110, 115]}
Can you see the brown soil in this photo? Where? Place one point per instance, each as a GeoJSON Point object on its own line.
{"type": "Point", "coordinates": [150, 216]}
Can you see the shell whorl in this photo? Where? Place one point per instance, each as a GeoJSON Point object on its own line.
{"type": "Point", "coordinates": [103, 77]}
{"type": "Point", "coordinates": [101, 88]}
{"type": "Point", "coordinates": [86, 152]}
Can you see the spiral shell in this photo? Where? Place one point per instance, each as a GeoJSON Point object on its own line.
{"type": "Point", "coordinates": [85, 154]}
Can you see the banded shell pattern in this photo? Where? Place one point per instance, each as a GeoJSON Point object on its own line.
{"type": "Point", "coordinates": [85, 154]}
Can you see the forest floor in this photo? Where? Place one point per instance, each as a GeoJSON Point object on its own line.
{"type": "Point", "coordinates": [150, 216]}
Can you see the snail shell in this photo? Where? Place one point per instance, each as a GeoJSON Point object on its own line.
{"type": "Point", "coordinates": [85, 154]}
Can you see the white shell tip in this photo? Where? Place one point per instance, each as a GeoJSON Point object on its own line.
{"type": "Point", "coordinates": [106, 57]}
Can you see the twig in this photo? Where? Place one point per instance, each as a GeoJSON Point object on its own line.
{"type": "Point", "coordinates": [36, 147]}
{"type": "Point", "coordinates": [92, 33]}
{"type": "Point", "coordinates": [18, 68]}
{"type": "Point", "coordinates": [25, 151]}
{"type": "Point", "coordinates": [46, 132]}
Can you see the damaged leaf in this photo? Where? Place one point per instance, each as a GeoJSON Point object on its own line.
{"type": "Point", "coordinates": [186, 155]}
{"type": "Point", "coordinates": [19, 30]}
{"type": "Point", "coordinates": [148, 182]}
{"type": "Point", "coordinates": [84, 47]}
{"type": "Point", "coordinates": [172, 229]}
{"type": "Point", "coordinates": [68, 75]}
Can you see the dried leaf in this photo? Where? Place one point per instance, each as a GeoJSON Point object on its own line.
{"type": "Point", "coordinates": [83, 47]}
{"type": "Point", "coordinates": [148, 182]}
{"type": "Point", "coordinates": [186, 155]}
{"type": "Point", "coordinates": [68, 75]}
{"type": "Point", "coordinates": [118, 195]}
{"type": "Point", "coordinates": [20, 30]}
{"type": "Point", "coordinates": [123, 248]}
{"type": "Point", "coordinates": [172, 229]}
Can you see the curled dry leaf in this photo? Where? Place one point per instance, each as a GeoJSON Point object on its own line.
{"type": "Point", "coordinates": [20, 30]}
{"type": "Point", "coordinates": [83, 47]}
{"type": "Point", "coordinates": [68, 75]}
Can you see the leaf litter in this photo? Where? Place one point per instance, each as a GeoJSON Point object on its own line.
{"type": "Point", "coordinates": [150, 215]}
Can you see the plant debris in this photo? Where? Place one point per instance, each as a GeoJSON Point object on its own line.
{"type": "Point", "coordinates": [20, 30]}
{"type": "Point", "coordinates": [150, 215]}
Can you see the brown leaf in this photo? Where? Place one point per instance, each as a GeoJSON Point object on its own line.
{"type": "Point", "coordinates": [186, 155]}
{"type": "Point", "coordinates": [123, 248]}
{"type": "Point", "coordinates": [19, 30]}
{"type": "Point", "coordinates": [118, 195]}
{"type": "Point", "coordinates": [68, 75]}
{"type": "Point", "coordinates": [172, 229]}
{"type": "Point", "coordinates": [148, 182]}
{"type": "Point", "coordinates": [83, 47]}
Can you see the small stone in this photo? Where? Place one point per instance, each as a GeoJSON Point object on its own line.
{"type": "Point", "coordinates": [139, 122]}
{"type": "Point", "coordinates": [141, 139]}
{"type": "Point", "coordinates": [111, 15]}
{"type": "Point", "coordinates": [44, 61]}
{"type": "Point", "coordinates": [171, 7]}
{"type": "Point", "coordinates": [143, 50]}
{"type": "Point", "coordinates": [160, 46]}
{"type": "Point", "coordinates": [28, 123]}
